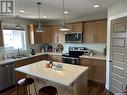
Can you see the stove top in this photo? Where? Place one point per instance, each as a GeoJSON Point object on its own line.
{"type": "Point", "coordinates": [67, 55]}
{"type": "Point", "coordinates": [75, 52]}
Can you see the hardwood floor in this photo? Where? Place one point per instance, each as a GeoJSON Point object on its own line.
{"type": "Point", "coordinates": [93, 89]}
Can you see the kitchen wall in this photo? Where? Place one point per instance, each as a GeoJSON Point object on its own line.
{"type": "Point", "coordinates": [114, 12]}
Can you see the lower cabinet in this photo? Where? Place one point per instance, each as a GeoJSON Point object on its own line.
{"type": "Point", "coordinates": [56, 58]}
{"type": "Point", "coordinates": [97, 69]}
{"type": "Point", "coordinates": [27, 61]}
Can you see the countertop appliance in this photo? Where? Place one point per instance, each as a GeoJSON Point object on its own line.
{"type": "Point", "coordinates": [7, 76]}
{"type": "Point", "coordinates": [73, 56]}
{"type": "Point", "coordinates": [73, 37]}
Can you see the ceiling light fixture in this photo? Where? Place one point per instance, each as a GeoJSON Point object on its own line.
{"type": "Point", "coordinates": [21, 11]}
{"type": "Point", "coordinates": [96, 6]}
{"type": "Point", "coordinates": [64, 26]}
{"type": "Point", "coordinates": [66, 12]}
{"type": "Point", "coordinates": [44, 16]}
{"type": "Point", "coordinates": [39, 29]}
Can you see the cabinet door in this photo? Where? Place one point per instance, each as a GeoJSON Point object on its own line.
{"type": "Point", "coordinates": [89, 34]}
{"type": "Point", "coordinates": [37, 35]}
{"type": "Point", "coordinates": [1, 36]}
{"type": "Point", "coordinates": [88, 63]}
{"type": "Point", "coordinates": [76, 27]}
{"type": "Point", "coordinates": [61, 37]}
{"type": "Point", "coordinates": [33, 36]}
{"type": "Point", "coordinates": [55, 58]}
{"type": "Point", "coordinates": [46, 35]}
{"type": "Point", "coordinates": [100, 31]}
{"type": "Point", "coordinates": [55, 34]}
{"type": "Point", "coordinates": [99, 70]}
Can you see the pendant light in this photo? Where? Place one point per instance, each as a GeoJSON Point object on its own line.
{"type": "Point", "coordinates": [39, 29]}
{"type": "Point", "coordinates": [64, 26]}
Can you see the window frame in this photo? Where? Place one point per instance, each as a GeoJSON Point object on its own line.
{"type": "Point", "coordinates": [25, 42]}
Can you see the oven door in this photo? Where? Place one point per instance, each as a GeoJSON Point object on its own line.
{"type": "Point", "coordinates": [70, 60]}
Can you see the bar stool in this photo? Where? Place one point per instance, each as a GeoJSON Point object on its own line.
{"type": "Point", "coordinates": [48, 90]}
{"type": "Point", "coordinates": [24, 84]}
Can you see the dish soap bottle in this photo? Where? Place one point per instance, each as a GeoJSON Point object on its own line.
{"type": "Point", "coordinates": [50, 64]}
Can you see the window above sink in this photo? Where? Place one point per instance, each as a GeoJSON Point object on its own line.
{"type": "Point", "coordinates": [14, 39]}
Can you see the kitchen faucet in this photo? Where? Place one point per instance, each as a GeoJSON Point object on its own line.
{"type": "Point", "coordinates": [18, 52]}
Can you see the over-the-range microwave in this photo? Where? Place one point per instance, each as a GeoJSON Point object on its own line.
{"type": "Point", "coordinates": [73, 37]}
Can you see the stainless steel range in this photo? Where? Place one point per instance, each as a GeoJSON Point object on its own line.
{"type": "Point", "coordinates": [73, 56]}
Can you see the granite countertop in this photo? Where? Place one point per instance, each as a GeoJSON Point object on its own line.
{"type": "Point", "coordinates": [65, 77]}
{"type": "Point", "coordinates": [100, 57]}
{"type": "Point", "coordinates": [6, 61]}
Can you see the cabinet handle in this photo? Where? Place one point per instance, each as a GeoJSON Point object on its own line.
{"type": "Point", "coordinates": [110, 61]}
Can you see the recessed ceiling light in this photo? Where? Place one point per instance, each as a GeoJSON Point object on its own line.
{"type": "Point", "coordinates": [21, 11]}
{"type": "Point", "coordinates": [96, 6]}
{"type": "Point", "coordinates": [66, 12]}
{"type": "Point", "coordinates": [44, 16]}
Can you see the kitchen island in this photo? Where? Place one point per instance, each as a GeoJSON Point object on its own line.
{"type": "Point", "coordinates": [72, 80]}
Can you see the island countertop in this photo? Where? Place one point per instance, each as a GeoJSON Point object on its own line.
{"type": "Point", "coordinates": [65, 77]}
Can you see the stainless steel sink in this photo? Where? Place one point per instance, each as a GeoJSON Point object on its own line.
{"type": "Point", "coordinates": [19, 56]}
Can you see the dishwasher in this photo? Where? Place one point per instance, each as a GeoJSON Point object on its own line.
{"type": "Point", "coordinates": [7, 75]}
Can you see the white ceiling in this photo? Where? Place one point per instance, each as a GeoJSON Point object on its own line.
{"type": "Point", "coordinates": [53, 8]}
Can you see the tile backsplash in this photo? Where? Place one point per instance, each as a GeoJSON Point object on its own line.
{"type": "Point", "coordinates": [96, 48]}
{"type": "Point", "coordinates": [9, 53]}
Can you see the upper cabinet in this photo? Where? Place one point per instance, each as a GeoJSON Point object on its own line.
{"type": "Point", "coordinates": [76, 27]}
{"type": "Point", "coordinates": [95, 31]}
{"type": "Point", "coordinates": [1, 35]}
{"type": "Point", "coordinates": [46, 36]}
{"type": "Point", "coordinates": [57, 35]}
{"type": "Point", "coordinates": [34, 37]}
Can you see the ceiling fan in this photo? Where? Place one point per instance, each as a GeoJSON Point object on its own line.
{"type": "Point", "coordinates": [18, 26]}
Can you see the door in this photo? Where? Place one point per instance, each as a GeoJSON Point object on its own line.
{"type": "Point", "coordinates": [118, 62]}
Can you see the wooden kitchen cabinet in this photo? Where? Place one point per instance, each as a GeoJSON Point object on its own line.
{"type": "Point", "coordinates": [76, 27]}
{"type": "Point", "coordinates": [95, 31]}
{"type": "Point", "coordinates": [1, 35]}
{"type": "Point", "coordinates": [56, 58]}
{"type": "Point", "coordinates": [97, 69]}
{"type": "Point", "coordinates": [27, 61]}
{"type": "Point", "coordinates": [46, 35]}
{"type": "Point", "coordinates": [57, 35]}
{"type": "Point", "coordinates": [88, 35]}
{"type": "Point", "coordinates": [88, 63]}
{"type": "Point", "coordinates": [34, 37]}
{"type": "Point", "coordinates": [100, 31]}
